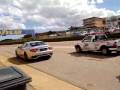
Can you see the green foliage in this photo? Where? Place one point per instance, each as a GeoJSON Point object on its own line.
{"type": "Point", "coordinates": [7, 40]}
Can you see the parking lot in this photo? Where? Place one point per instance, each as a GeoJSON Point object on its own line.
{"type": "Point", "coordinates": [90, 71]}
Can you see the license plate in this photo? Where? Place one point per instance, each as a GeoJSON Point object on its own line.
{"type": "Point", "coordinates": [43, 49]}
{"type": "Point", "coordinates": [114, 51]}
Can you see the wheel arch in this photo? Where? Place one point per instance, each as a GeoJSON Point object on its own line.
{"type": "Point", "coordinates": [78, 46]}
{"type": "Point", "coordinates": [103, 46]}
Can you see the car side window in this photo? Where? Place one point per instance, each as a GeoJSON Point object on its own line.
{"type": "Point", "coordinates": [87, 39]}
{"type": "Point", "coordinates": [96, 38]}
{"type": "Point", "coordinates": [102, 37]}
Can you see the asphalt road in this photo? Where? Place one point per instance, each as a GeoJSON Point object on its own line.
{"type": "Point", "coordinates": [91, 71]}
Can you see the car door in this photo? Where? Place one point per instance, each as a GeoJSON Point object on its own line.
{"type": "Point", "coordinates": [92, 44]}
{"type": "Point", "coordinates": [99, 39]}
{"type": "Point", "coordinates": [87, 43]}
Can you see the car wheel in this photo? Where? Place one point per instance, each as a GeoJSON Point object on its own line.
{"type": "Point", "coordinates": [48, 57]}
{"type": "Point", "coordinates": [26, 57]}
{"type": "Point", "coordinates": [17, 54]}
{"type": "Point", "coordinates": [118, 52]}
{"type": "Point", "coordinates": [78, 49]}
{"type": "Point", "coordinates": [105, 51]}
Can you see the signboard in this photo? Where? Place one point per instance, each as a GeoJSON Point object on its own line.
{"type": "Point", "coordinates": [17, 32]}
{"type": "Point", "coordinates": [10, 32]}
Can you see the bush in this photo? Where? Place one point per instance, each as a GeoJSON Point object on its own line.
{"type": "Point", "coordinates": [62, 39]}
{"type": "Point", "coordinates": [27, 36]}
{"type": "Point", "coordinates": [7, 40]}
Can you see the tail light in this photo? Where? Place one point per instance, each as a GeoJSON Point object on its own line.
{"type": "Point", "coordinates": [115, 44]}
{"type": "Point", "coordinates": [33, 50]}
{"type": "Point", "coordinates": [50, 48]}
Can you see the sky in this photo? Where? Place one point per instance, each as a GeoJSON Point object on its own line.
{"type": "Point", "coordinates": [110, 4]}
{"type": "Point", "coordinates": [46, 15]}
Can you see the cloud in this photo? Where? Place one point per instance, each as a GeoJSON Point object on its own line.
{"type": "Point", "coordinates": [8, 22]}
{"type": "Point", "coordinates": [100, 1]}
{"type": "Point", "coordinates": [96, 2]}
{"type": "Point", "coordinates": [50, 14]}
{"type": "Point", "coordinates": [118, 12]}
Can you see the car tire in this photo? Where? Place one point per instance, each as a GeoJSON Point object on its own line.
{"type": "Point", "coordinates": [118, 52]}
{"type": "Point", "coordinates": [105, 51]}
{"type": "Point", "coordinates": [17, 56]}
{"type": "Point", "coordinates": [78, 49]}
{"type": "Point", "coordinates": [47, 57]}
{"type": "Point", "coordinates": [26, 57]}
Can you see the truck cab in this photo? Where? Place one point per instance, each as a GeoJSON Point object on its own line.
{"type": "Point", "coordinates": [98, 42]}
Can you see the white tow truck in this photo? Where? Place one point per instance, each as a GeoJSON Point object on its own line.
{"type": "Point", "coordinates": [98, 42]}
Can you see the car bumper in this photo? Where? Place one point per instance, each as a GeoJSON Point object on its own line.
{"type": "Point", "coordinates": [115, 49]}
{"type": "Point", "coordinates": [40, 54]}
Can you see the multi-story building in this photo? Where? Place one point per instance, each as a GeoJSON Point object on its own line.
{"type": "Point", "coordinates": [77, 31]}
{"type": "Point", "coordinates": [113, 22]}
{"type": "Point", "coordinates": [95, 23]}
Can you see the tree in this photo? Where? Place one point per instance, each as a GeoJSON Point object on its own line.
{"type": "Point", "coordinates": [27, 36]}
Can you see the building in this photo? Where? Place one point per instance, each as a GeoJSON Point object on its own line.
{"type": "Point", "coordinates": [77, 31]}
{"type": "Point", "coordinates": [94, 23]}
{"type": "Point", "coordinates": [113, 22]}
{"type": "Point", "coordinates": [50, 34]}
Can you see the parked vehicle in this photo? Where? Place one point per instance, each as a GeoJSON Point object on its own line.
{"type": "Point", "coordinates": [34, 50]}
{"type": "Point", "coordinates": [98, 42]}
{"type": "Point", "coordinates": [83, 33]}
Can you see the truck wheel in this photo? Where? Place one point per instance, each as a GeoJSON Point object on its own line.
{"type": "Point", "coordinates": [105, 51]}
{"type": "Point", "coordinates": [78, 49]}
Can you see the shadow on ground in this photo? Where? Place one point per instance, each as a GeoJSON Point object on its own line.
{"type": "Point", "coordinates": [20, 61]}
{"type": "Point", "coordinates": [118, 77]}
{"type": "Point", "coordinates": [96, 55]}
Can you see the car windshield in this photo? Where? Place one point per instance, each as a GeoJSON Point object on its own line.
{"type": "Point", "coordinates": [37, 44]}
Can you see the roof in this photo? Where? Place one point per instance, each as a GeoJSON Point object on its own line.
{"type": "Point", "coordinates": [33, 41]}
{"type": "Point", "coordinates": [93, 18]}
